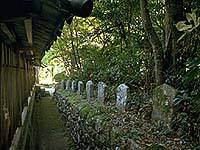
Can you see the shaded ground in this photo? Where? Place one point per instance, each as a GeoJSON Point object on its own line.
{"type": "Point", "coordinates": [51, 134]}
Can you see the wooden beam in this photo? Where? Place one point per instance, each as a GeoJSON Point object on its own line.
{"type": "Point", "coordinates": [11, 36]}
{"type": "Point", "coordinates": [29, 33]}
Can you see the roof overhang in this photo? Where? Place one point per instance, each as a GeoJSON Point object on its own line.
{"type": "Point", "coordinates": [33, 25]}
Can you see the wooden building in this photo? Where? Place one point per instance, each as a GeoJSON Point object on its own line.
{"type": "Point", "coordinates": [27, 29]}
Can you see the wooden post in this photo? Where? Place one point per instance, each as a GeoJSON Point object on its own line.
{"type": "Point", "coordinates": [18, 85]}
{"type": "Point", "coordinates": [1, 92]}
{"type": "Point", "coordinates": [16, 81]}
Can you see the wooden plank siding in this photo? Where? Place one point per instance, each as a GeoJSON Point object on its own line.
{"type": "Point", "coordinates": [17, 77]}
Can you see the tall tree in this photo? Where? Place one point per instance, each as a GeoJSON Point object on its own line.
{"type": "Point", "coordinates": [174, 14]}
{"type": "Point", "coordinates": [154, 41]}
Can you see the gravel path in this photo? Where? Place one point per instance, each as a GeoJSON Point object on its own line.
{"type": "Point", "coordinates": [50, 131]}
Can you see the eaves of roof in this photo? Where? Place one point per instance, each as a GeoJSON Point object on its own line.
{"type": "Point", "coordinates": [35, 26]}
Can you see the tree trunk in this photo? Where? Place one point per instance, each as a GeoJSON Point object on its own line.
{"type": "Point", "coordinates": [169, 36]}
{"type": "Point", "coordinates": [154, 41]}
{"type": "Point", "coordinates": [74, 62]}
{"type": "Point", "coordinates": [174, 13]}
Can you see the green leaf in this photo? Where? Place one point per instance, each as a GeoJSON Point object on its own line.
{"type": "Point", "coordinates": [198, 22]}
{"type": "Point", "coordinates": [182, 36]}
{"type": "Point", "coordinates": [194, 18]}
{"type": "Point", "coordinates": [189, 17]}
{"type": "Point", "coordinates": [181, 26]}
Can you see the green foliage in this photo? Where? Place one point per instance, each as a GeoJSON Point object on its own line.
{"type": "Point", "coordinates": [156, 147]}
{"type": "Point", "coordinates": [59, 77]}
{"type": "Point", "coordinates": [193, 23]}
{"type": "Point", "coordinates": [186, 119]}
{"type": "Point", "coordinates": [95, 111]}
{"type": "Point", "coordinates": [111, 46]}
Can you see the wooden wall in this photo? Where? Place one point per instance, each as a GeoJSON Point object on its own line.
{"type": "Point", "coordinates": [17, 77]}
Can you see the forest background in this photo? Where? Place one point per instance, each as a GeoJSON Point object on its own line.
{"type": "Point", "coordinates": [140, 43]}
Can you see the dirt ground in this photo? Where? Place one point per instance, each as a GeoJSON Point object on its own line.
{"type": "Point", "coordinates": [51, 134]}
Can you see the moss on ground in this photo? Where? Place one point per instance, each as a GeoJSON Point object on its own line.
{"type": "Point", "coordinates": [51, 134]}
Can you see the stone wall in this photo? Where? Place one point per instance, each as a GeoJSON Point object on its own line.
{"type": "Point", "coordinates": [94, 126]}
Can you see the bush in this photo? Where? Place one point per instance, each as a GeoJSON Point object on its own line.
{"type": "Point", "coordinates": [59, 77]}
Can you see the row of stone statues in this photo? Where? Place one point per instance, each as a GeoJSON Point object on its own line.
{"type": "Point", "coordinates": [162, 98]}
{"type": "Point", "coordinates": [79, 87]}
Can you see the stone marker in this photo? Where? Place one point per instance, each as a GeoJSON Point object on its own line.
{"type": "Point", "coordinates": [101, 91]}
{"type": "Point", "coordinates": [122, 94]}
{"type": "Point", "coordinates": [163, 96]}
{"type": "Point", "coordinates": [62, 85]}
{"type": "Point", "coordinates": [74, 86]}
{"type": "Point", "coordinates": [23, 115]}
{"type": "Point", "coordinates": [29, 100]}
{"type": "Point", "coordinates": [58, 86]}
{"type": "Point", "coordinates": [90, 90]}
{"type": "Point", "coordinates": [68, 84]}
{"type": "Point", "coordinates": [80, 87]}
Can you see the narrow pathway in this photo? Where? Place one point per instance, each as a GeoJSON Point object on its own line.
{"type": "Point", "coordinates": [51, 134]}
